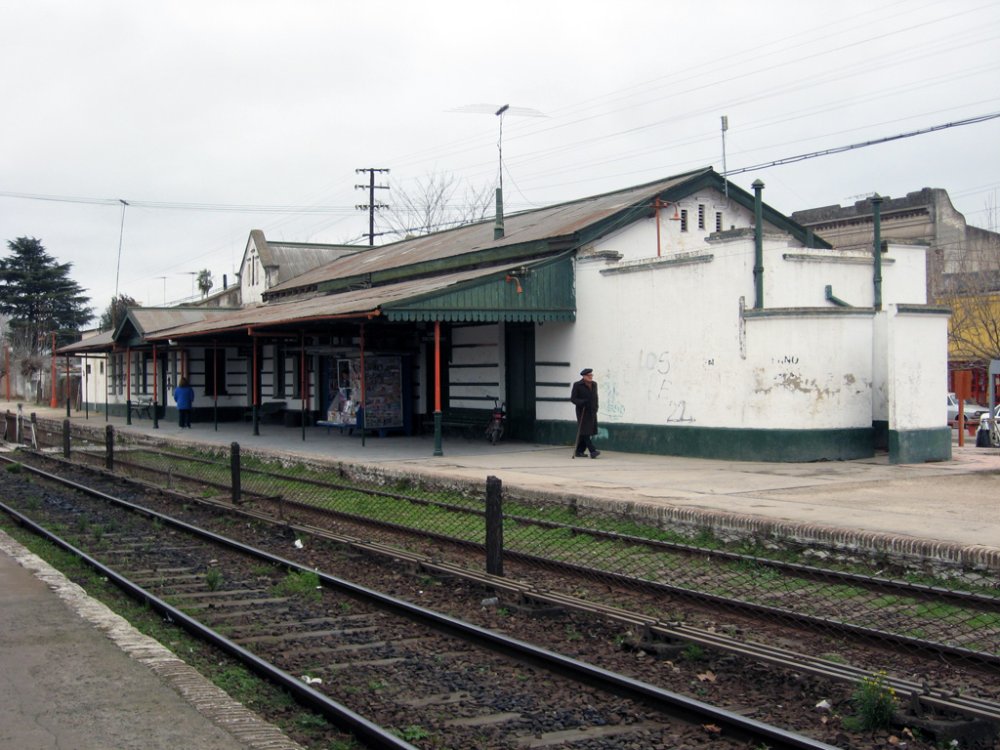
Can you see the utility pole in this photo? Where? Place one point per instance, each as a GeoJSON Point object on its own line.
{"type": "Point", "coordinates": [371, 206]}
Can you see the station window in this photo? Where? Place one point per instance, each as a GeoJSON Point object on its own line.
{"type": "Point", "coordinates": [684, 220]}
{"type": "Point", "coordinates": [215, 372]}
{"type": "Point", "coordinates": [718, 221]}
{"type": "Point", "coordinates": [701, 216]}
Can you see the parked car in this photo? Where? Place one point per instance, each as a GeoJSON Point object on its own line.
{"type": "Point", "coordinates": [972, 410]}
{"type": "Point", "coordinates": [984, 438]}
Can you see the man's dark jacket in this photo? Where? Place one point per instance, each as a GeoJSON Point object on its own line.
{"type": "Point", "coordinates": [585, 398]}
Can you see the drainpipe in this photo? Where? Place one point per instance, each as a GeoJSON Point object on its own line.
{"type": "Point", "coordinates": [498, 226]}
{"type": "Point", "coordinates": [657, 203]}
{"type": "Point", "coordinates": [877, 222]}
{"type": "Point", "coordinates": [758, 245]}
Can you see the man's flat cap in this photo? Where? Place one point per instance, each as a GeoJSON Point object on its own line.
{"type": "Point", "coordinates": [586, 371]}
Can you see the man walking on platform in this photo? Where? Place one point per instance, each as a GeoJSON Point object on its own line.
{"type": "Point", "coordinates": [584, 397]}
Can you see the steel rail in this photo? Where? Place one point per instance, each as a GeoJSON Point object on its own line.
{"type": "Point", "coordinates": [941, 700]}
{"type": "Point", "coordinates": [672, 704]}
{"type": "Point", "coordinates": [980, 657]}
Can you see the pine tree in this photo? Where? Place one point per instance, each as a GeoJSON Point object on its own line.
{"type": "Point", "coordinates": [39, 297]}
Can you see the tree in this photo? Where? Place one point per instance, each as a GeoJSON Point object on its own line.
{"type": "Point", "coordinates": [971, 288]}
{"type": "Point", "coordinates": [433, 205]}
{"type": "Point", "coordinates": [39, 297]}
{"type": "Point", "coordinates": [205, 282]}
{"type": "Point", "coordinates": [116, 311]}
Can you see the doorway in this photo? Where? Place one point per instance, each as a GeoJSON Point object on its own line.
{"type": "Point", "coordinates": [519, 345]}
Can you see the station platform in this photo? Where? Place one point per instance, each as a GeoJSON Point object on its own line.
{"type": "Point", "coordinates": [64, 674]}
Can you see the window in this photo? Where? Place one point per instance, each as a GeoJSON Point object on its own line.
{"type": "Point", "coordinates": [297, 375]}
{"type": "Point", "coordinates": [215, 372]}
{"type": "Point", "coordinates": [701, 216]}
{"type": "Point", "coordinates": [684, 220]}
{"type": "Point", "coordinates": [718, 221]}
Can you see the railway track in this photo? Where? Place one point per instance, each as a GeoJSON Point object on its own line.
{"type": "Point", "coordinates": [944, 621]}
{"type": "Point", "coordinates": [394, 673]}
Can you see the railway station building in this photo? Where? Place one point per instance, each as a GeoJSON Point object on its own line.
{"type": "Point", "coordinates": [715, 325]}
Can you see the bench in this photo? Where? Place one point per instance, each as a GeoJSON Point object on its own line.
{"type": "Point", "coordinates": [350, 426]}
{"type": "Point", "coordinates": [469, 422]}
{"type": "Point", "coordinates": [143, 407]}
{"type": "Point", "coordinates": [266, 412]}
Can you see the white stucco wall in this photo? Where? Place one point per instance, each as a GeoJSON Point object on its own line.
{"type": "Point", "coordinates": [669, 345]}
{"type": "Point", "coordinates": [916, 369]}
{"type": "Point", "coordinates": [474, 368]}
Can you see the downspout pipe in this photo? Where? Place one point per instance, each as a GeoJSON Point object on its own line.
{"type": "Point", "coordinates": [758, 245]}
{"type": "Point", "coordinates": [877, 249]}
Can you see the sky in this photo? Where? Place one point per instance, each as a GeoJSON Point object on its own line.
{"type": "Point", "coordinates": [142, 141]}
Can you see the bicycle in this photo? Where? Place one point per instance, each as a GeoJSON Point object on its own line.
{"type": "Point", "coordinates": [495, 427]}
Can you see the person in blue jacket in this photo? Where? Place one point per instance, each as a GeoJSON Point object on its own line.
{"type": "Point", "coordinates": [184, 396]}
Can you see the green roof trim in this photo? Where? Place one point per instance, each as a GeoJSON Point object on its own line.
{"type": "Point", "coordinates": [547, 293]}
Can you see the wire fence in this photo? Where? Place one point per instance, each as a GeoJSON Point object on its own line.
{"type": "Point", "coordinates": [960, 616]}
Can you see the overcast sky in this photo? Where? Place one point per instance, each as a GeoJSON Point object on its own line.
{"type": "Point", "coordinates": [212, 118]}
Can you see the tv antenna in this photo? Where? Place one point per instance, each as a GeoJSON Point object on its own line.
{"type": "Point", "coordinates": [725, 127]}
{"type": "Point", "coordinates": [499, 110]}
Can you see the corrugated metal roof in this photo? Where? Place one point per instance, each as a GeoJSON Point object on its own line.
{"type": "Point", "coordinates": [99, 342]}
{"type": "Point", "coordinates": [149, 320]}
{"type": "Point", "coordinates": [357, 304]}
{"type": "Point", "coordinates": [526, 227]}
{"type": "Point", "coordinates": [296, 258]}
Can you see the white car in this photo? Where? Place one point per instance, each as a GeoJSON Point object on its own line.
{"type": "Point", "coordinates": [972, 410]}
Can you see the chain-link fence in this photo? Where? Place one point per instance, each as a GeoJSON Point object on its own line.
{"type": "Point", "coordinates": [958, 615]}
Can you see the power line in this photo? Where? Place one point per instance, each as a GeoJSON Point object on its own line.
{"type": "Point", "coordinates": [865, 144]}
{"type": "Point", "coordinates": [180, 206]}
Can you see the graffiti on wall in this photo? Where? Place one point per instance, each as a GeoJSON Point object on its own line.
{"type": "Point", "coordinates": [656, 366]}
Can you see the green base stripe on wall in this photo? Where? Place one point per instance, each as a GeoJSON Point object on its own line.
{"type": "Point", "coordinates": [722, 443]}
{"type": "Point", "coordinates": [920, 446]}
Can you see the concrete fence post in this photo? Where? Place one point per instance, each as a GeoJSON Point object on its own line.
{"type": "Point", "coordinates": [234, 470]}
{"type": "Point", "coordinates": [494, 526]}
{"type": "Point", "coordinates": [109, 447]}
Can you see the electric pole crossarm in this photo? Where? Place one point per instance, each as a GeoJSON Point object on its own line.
{"type": "Point", "coordinates": [371, 206]}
